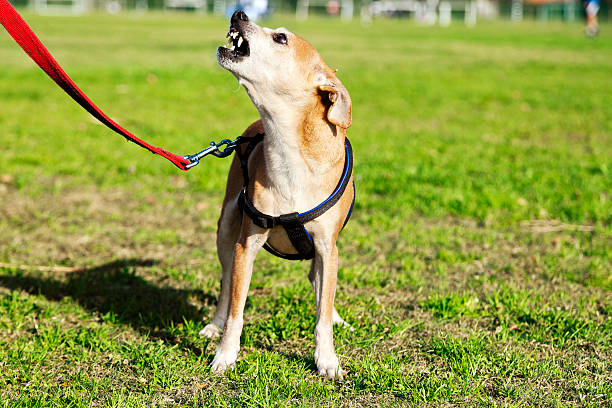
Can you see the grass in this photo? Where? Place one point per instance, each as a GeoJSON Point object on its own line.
{"type": "Point", "coordinates": [475, 270]}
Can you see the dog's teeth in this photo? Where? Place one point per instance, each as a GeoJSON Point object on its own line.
{"type": "Point", "coordinates": [239, 41]}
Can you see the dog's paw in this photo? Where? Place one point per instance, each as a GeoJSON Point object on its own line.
{"type": "Point", "coordinates": [336, 319]}
{"type": "Point", "coordinates": [223, 361]}
{"type": "Point", "coordinates": [344, 324]}
{"type": "Point", "coordinates": [329, 367]}
{"type": "Point", "coordinates": [211, 331]}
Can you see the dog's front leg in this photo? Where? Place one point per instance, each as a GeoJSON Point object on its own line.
{"type": "Point", "coordinates": [250, 242]}
{"type": "Point", "coordinates": [228, 234]}
{"type": "Point", "coordinates": [325, 273]}
{"type": "Point", "coordinates": [336, 318]}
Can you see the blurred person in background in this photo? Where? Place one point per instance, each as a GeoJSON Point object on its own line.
{"type": "Point", "coordinates": [255, 9]}
{"type": "Point", "coordinates": [591, 8]}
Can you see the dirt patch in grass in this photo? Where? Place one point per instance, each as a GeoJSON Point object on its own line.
{"type": "Point", "coordinates": [85, 228]}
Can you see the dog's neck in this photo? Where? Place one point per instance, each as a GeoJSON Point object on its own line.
{"type": "Point", "coordinates": [300, 146]}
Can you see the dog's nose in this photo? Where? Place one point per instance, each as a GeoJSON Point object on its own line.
{"type": "Point", "coordinates": [239, 15]}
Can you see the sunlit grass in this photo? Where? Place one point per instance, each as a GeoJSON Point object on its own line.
{"type": "Point", "coordinates": [475, 271]}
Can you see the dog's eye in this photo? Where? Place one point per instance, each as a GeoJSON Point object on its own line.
{"type": "Point", "coordinates": [279, 38]}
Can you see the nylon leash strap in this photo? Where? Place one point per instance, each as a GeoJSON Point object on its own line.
{"type": "Point", "coordinates": [29, 42]}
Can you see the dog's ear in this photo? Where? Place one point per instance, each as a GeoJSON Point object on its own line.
{"type": "Point", "coordinates": [340, 107]}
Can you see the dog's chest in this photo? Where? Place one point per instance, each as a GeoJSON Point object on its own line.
{"type": "Point", "coordinates": [290, 179]}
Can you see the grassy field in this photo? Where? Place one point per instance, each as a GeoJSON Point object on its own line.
{"type": "Point", "coordinates": [476, 270]}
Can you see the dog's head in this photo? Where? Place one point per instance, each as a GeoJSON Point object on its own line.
{"type": "Point", "coordinates": [273, 64]}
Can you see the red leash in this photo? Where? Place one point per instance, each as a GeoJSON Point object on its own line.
{"type": "Point", "coordinates": [25, 37]}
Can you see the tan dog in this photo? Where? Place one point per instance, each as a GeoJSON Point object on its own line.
{"type": "Point", "coordinates": [305, 112]}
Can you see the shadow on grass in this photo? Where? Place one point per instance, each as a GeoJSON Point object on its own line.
{"type": "Point", "coordinates": [307, 361]}
{"type": "Point", "coordinates": [118, 294]}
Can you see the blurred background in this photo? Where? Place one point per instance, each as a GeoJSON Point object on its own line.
{"type": "Point", "coordinates": [424, 11]}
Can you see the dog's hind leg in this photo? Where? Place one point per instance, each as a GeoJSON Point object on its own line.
{"type": "Point", "coordinates": [228, 232]}
{"type": "Point", "coordinates": [325, 274]}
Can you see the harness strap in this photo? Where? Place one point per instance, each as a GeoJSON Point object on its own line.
{"type": "Point", "coordinates": [291, 257]}
{"type": "Point", "coordinates": [338, 191]}
{"type": "Point", "coordinates": [292, 223]}
{"type": "Point", "coordinates": [350, 211]}
{"type": "Point", "coordinates": [244, 156]}
{"type": "Point", "coordinates": [298, 235]}
{"type": "Point", "coordinates": [260, 219]}
{"type": "Point", "coordinates": [25, 37]}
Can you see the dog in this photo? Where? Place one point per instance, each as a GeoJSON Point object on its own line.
{"type": "Point", "coordinates": [305, 112]}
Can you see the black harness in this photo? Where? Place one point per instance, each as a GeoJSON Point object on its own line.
{"type": "Point", "coordinates": [292, 223]}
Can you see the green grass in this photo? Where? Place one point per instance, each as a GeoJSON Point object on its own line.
{"type": "Point", "coordinates": [476, 270]}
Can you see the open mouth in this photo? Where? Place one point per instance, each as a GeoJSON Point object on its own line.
{"type": "Point", "coordinates": [236, 43]}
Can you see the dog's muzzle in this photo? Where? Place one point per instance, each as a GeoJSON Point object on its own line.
{"type": "Point", "coordinates": [237, 45]}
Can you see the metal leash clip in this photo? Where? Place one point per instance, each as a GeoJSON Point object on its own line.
{"type": "Point", "coordinates": [216, 149]}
